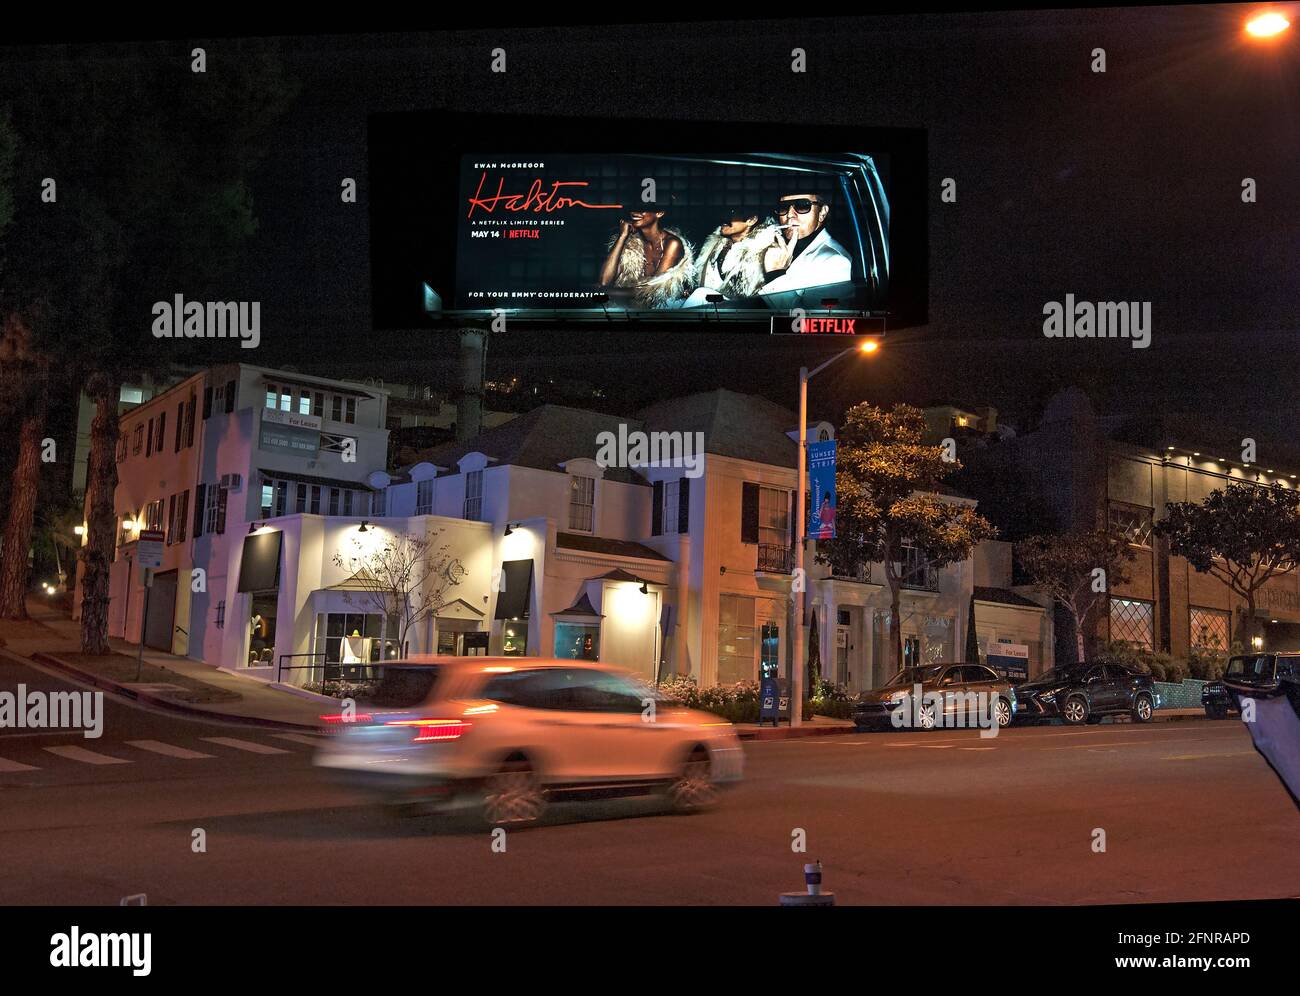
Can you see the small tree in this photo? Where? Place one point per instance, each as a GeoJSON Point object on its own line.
{"type": "Point", "coordinates": [1067, 566]}
{"type": "Point", "coordinates": [403, 577]}
{"type": "Point", "coordinates": [885, 483]}
{"type": "Point", "coordinates": [1242, 534]}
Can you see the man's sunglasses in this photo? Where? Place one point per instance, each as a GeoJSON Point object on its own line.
{"type": "Point", "coordinates": [801, 205]}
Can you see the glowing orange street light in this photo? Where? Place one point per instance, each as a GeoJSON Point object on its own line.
{"type": "Point", "coordinates": [870, 346]}
{"type": "Point", "coordinates": [1267, 25]}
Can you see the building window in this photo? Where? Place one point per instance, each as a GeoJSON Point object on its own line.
{"type": "Point", "coordinates": [182, 515]}
{"type": "Point", "coordinates": [1209, 628]}
{"type": "Point", "coordinates": [137, 440]}
{"type": "Point", "coordinates": [672, 503]}
{"type": "Point", "coordinates": [773, 517]}
{"type": "Point", "coordinates": [736, 660]}
{"type": "Point", "coordinates": [347, 502]}
{"type": "Point", "coordinates": [304, 402]}
{"type": "Point", "coordinates": [221, 614]}
{"type": "Point", "coordinates": [171, 520]}
{"type": "Point", "coordinates": [424, 498]}
{"type": "Point", "coordinates": [582, 503]}
{"type": "Point", "coordinates": [336, 407]}
{"type": "Point", "coordinates": [315, 499]}
{"type": "Point", "coordinates": [473, 496]}
{"type": "Point", "coordinates": [378, 503]}
{"type": "Point", "coordinates": [356, 637]}
{"type": "Point", "coordinates": [121, 448]}
{"type": "Point", "coordinates": [334, 501]}
{"type": "Point", "coordinates": [1133, 522]}
{"type": "Point", "coordinates": [300, 499]}
{"type": "Point", "coordinates": [333, 443]}
{"type": "Point", "coordinates": [213, 506]}
{"type": "Point", "coordinates": [153, 515]}
{"type": "Point", "coordinates": [350, 411]}
{"type": "Point", "coordinates": [130, 395]}
{"type": "Point", "coordinates": [1133, 621]}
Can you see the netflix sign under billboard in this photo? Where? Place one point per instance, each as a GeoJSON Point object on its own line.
{"type": "Point", "coordinates": [616, 232]}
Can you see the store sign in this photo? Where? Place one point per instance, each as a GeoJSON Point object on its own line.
{"type": "Point", "coordinates": [1009, 659]}
{"type": "Point", "coordinates": [149, 548]}
{"type": "Point", "coordinates": [289, 432]}
{"type": "Point", "coordinates": [821, 480]}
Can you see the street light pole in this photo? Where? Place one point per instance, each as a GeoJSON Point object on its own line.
{"type": "Point", "coordinates": [801, 535]}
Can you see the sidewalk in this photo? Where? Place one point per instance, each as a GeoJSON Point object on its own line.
{"type": "Point", "coordinates": [169, 682]}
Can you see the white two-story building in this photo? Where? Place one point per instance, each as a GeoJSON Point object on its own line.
{"type": "Point", "coordinates": [271, 488]}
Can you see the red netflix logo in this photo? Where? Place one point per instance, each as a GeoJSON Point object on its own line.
{"type": "Point", "coordinates": [828, 326]}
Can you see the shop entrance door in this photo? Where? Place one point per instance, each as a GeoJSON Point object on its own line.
{"type": "Point", "coordinates": [162, 612]}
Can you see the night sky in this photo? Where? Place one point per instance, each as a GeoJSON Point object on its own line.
{"type": "Point", "coordinates": [1117, 186]}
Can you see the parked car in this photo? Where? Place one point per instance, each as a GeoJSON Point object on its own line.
{"type": "Point", "coordinates": [508, 735]}
{"type": "Point", "coordinates": [1262, 676]}
{"type": "Point", "coordinates": [1217, 700]}
{"type": "Point", "coordinates": [1087, 693]}
{"type": "Point", "coordinates": [875, 708]}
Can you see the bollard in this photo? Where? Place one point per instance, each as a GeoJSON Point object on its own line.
{"type": "Point", "coordinates": [812, 876]}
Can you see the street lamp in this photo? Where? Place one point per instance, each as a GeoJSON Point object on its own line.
{"type": "Point", "coordinates": [1268, 24]}
{"type": "Point", "coordinates": [800, 665]}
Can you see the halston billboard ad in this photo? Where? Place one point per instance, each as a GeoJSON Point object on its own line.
{"type": "Point", "coordinates": [552, 217]}
{"type": "Point", "coordinates": [759, 231]}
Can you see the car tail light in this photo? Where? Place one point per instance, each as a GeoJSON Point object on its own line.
{"type": "Point", "coordinates": [427, 730]}
{"type": "Point", "coordinates": [341, 718]}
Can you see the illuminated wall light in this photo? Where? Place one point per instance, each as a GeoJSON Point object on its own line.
{"type": "Point", "coordinates": [1267, 25]}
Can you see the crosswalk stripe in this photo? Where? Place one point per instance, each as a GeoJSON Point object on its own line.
{"type": "Point", "coordinates": [84, 756]}
{"type": "Point", "coordinates": [170, 750]}
{"type": "Point", "coordinates": [299, 738]}
{"type": "Point", "coordinates": [15, 766]}
{"type": "Point", "coordinates": [248, 745]}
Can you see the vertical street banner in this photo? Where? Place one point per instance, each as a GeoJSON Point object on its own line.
{"type": "Point", "coordinates": [821, 485]}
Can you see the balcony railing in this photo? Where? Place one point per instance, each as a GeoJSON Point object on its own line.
{"type": "Point", "coordinates": [775, 559]}
{"type": "Point", "coordinates": [920, 577]}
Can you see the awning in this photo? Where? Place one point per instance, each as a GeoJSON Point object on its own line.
{"type": "Point", "coordinates": [581, 609]}
{"type": "Point", "coordinates": [259, 568]}
{"type": "Point", "coordinates": [516, 594]}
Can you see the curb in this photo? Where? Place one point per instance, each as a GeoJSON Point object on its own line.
{"type": "Point", "coordinates": [792, 733]}
{"type": "Point", "coordinates": [161, 703]}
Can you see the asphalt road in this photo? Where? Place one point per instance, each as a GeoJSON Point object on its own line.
{"type": "Point", "coordinates": [1189, 812]}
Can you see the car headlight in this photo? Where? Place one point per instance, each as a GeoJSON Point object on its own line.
{"type": "Point", "coordinates": [1048, 696]}
{"type": "Point", "coordinates": [895, 697]}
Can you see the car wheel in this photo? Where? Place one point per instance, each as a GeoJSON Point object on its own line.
{"type": "Point", "coordinates": [1002, 712]}
{"type": "Point", "coordinates": [513, 795]}
{"type": "Point", "coordinates": [925, 716]}
{"type": "Point", "coordinates": [1075, 710]}
{"type": "Point", "coordinates": [694, 789]}
{"type": "Point", "coordinates": [1142, 709]}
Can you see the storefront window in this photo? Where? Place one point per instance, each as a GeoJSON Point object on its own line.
{"type": "Point", "coordinates": [770, 664]}
{"type": "Point", "coordinates": [261, 630]}
{"type": "Point", "coordinates": [577, 641]}
{"type": "Point", "coordinates": [516, 639]}
{"type": "Point", "coordinates": [736, 651]}
{"type": "Point", "coordinates": [355, 638]}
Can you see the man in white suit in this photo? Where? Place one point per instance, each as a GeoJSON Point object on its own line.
{"type": "Point", "coordinates": [803, 254]}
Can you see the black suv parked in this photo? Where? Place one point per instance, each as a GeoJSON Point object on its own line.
{"type": "Point", "coordinates": [1085, 693]}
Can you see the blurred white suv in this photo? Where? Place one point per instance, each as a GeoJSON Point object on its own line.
{"type": "Point", "coordinates": [510, 734]}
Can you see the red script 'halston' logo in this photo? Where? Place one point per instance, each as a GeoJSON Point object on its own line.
{"type": "Point", "coordinates": [536, 200]}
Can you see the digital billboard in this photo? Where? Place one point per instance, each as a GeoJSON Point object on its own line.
{"type": "Point", "coordinates": [631, 220]}
{"type": "Point", "coordinates": [754, 231]}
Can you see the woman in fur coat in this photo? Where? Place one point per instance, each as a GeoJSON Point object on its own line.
{"type": "Point", "coordinates": [652, 261]}
{"type": "Point", "coordinates": [730, 261]}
